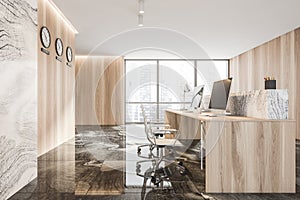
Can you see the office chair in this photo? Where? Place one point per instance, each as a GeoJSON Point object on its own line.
{"type": "Point", "coordinates": [157, 178]}
{"type": "Point", "coordinates": [160, 144]}
{"type": "Point", "coordinates": [154, 131]}
{"type": "Point", "coordinates": [154, 173]}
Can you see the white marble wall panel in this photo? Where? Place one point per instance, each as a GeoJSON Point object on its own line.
{"type": "Point", "coordinates": [265, 104]}
{"type": "Point", "coordinates": [18, 95]}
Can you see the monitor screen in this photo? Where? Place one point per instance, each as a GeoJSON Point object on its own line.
{"type": "Point", "coordinates": [219, 94]}
{"type": "Point", "coordinates": [197, 96]}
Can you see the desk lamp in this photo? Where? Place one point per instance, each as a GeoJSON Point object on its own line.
{"type": "Point", "coordinates": [186, 89]}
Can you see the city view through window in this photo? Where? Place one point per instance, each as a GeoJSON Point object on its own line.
{"type": "Point", "coordinates": [159, 84]}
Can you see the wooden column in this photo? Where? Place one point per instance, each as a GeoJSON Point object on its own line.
{"type": "Point", "coordinates": [99, 90]}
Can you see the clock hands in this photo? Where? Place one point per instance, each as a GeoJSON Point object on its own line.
{"type": "Point", "coordinates": [69, 52]}
{"type": "Point", "coordinates": [59, 46]}
{"type": "Point", "coordinates": [45, 37]}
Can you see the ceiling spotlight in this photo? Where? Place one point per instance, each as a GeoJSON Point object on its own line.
{"type": "Point", "coordinates": [141, 23]}
{"type": "Point", "coordinates": [141, 7]}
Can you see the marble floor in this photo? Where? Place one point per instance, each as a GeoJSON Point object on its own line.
{"type": "Point", "coordinates": [101, 163]}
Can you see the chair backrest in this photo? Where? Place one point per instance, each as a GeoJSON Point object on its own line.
{"type": "Point", "coordinates": [147, 124]}
{"type": "Point", "coordinates": [148, 129]}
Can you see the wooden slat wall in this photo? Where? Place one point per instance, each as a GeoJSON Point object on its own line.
{"type": "Point", "coordinates": [278, 58]}
{"type": "Point", "coordinates": [56, 80]}
{"type": "Point", "coordinates": [99, 90]}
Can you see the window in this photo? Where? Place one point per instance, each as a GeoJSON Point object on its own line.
{"type": "Point", "coordinates": [173, 75]}
{"type": "Point", "coordinates": [141, 88]}
{"type": "Point", "coordinates": [159, 84]}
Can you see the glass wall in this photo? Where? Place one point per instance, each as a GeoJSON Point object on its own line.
{"type": "Point", "coordinates": [164, 84]}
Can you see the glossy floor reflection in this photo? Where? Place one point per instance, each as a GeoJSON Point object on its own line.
{"type": "Point", "coordinates": [100, 163]}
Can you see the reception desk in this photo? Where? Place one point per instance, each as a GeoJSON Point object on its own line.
{"type": "Point", "coordinates": [243, 154]}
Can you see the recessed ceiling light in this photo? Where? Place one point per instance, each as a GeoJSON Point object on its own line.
{"type": "Point", "coordinates": [140, 19]}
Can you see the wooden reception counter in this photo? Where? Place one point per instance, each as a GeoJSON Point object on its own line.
{"type": "Point", "coordinates": [243, 154]}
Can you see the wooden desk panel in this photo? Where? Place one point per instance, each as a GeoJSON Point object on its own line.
{"type": "Point", "coordinates": [244, 155]}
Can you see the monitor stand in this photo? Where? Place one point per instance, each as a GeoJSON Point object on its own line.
{"type": "Point", "coordinates": [215, 111]}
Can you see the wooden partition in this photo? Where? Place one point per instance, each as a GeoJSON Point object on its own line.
{"type": "Point", "coordinates": [99, 90]}
{"type": "Point", "coordinates": [56, 80]}
{"type": "Point", "coordinates": [278, 58]}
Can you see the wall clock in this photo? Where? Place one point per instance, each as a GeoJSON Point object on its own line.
{"type": "Point", "coordinates": [59, 46]}
{"type": "Point", "coordinates": [69, 54]}
{"type": "Point", "coordinates": [45, 37]}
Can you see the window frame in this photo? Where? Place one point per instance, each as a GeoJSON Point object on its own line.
{"type": "Point", "coordinates": [157, 103]}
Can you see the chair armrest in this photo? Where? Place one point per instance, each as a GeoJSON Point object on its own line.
{"type": "Point", "coordinates": [168, 130]}
{"type": "Point", "coordinates": [159, 126]}
{"type": "Point", "coordinates": [158, 121]}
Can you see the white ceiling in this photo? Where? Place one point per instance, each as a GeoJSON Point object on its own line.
{"type": "Point", "coordinates": [185, 28]}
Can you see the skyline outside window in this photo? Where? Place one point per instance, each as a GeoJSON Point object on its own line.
{"type": "Point", "coordinates": [159, 84]}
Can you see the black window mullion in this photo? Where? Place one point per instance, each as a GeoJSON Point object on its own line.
{"type": "Point", "coordinates": [157, 88]}
{"type": "Point", "coordinates": [195, 72]}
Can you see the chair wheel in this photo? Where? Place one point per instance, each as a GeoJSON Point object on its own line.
{"type": "Point", "coordinates": [138, 166]}
{"type": "Point", "coordinates": [181, 170]}
{"type": "Point", "coordinates": [155, 180]}
{"type": "Point", "coordinates": [180, 163]}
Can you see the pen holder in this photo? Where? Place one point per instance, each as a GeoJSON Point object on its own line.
{"type": "Point", "coordinates": [270, 84]}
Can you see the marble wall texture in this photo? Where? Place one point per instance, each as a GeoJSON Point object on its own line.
{"type": "Point", "coordinates": [265, 104]}
{"type": "Point", "coordinates": [18, 95]}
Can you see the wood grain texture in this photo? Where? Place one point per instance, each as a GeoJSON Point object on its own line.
{"type": "Point", "coordinates": [276, 58]}
{"type": "Point", "coordinates": [189, 128]}
{"type": "Point", "coordinates": [297, 63]}
{"type": "Point", "coordinates": [251, 157]}
{"type": "Point", "coordinates": [56, 80]}
{"type": "Point", "coordinates": [243, 154]}
{"type": "Point", "coordinates": [99, 90]}
{"type": "Point", "coordinates": [219, 118]}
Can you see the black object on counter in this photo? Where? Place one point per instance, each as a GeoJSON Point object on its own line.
{"type": "Point", "coordinates": [270, 84]}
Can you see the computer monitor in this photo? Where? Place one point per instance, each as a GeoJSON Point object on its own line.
{"type": "Point", "coordinates": [219, 95]}
{"type": "Point", "coordinates": [197, 98]}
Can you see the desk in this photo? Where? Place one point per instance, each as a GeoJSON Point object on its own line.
{"type": "Point", "coordinates": [243, 154]}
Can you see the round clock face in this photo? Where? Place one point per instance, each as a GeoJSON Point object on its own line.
{"type": "Point", "coordinates": [69, 54]}
{"type": "Point", "coordinates": [59, 46]}
{"type": "Point", "coordinates": [45, 37]}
